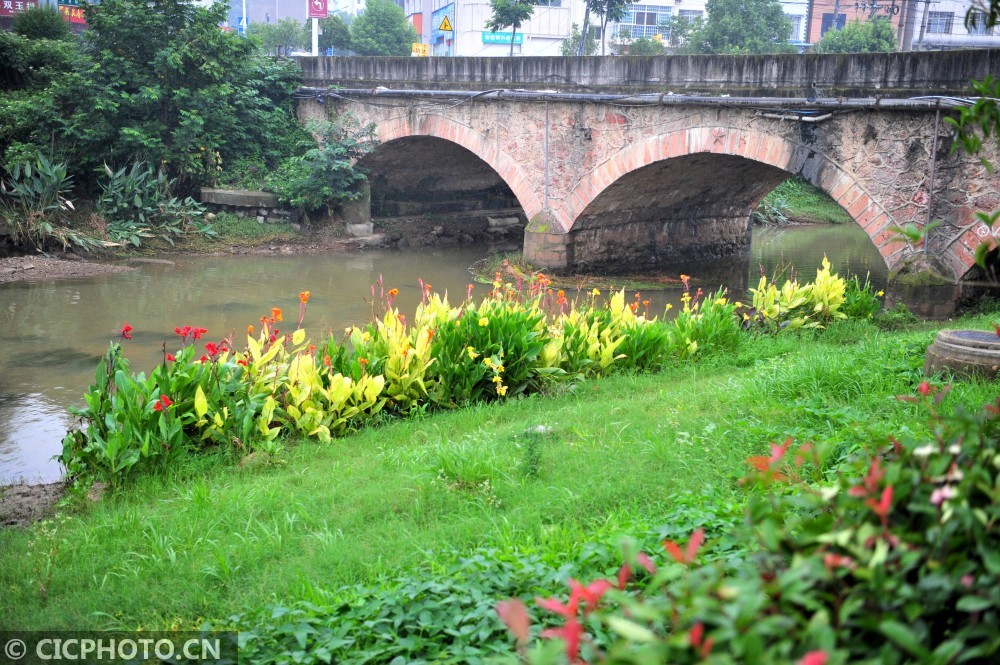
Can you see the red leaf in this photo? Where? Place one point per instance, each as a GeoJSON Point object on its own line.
{"type": "Point", "coordinates": [556, 606]}
{"type": "Point", "coordinates": [697, 538]}
{"type": "Point", "coordinates": [514, 615]}
{"type": "Point", "coordinates": [643, 560]}
{"type": "Point", "coordinates": [697, 632]}
{"type": "Point", "coordinates": [674, 551]}
{"type": "Point", "coordinates": [706, 648]}
{"type": "Point", "coordinates": [624, 575]}
{"type": "Point", "coordinates": [571, 633]}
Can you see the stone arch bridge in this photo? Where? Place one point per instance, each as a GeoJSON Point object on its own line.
{"type": "Point", "coordinates": [622, 163]}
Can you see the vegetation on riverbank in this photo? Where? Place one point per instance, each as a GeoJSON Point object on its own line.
{"type": "Point", "coordinates": [796, 201]}
{"type": "Point", "coordinates": [432, 520]}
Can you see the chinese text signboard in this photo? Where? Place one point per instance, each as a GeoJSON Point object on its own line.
{"type": "Point", "coordinates": [72, 14]}
{"type": "Point", "coordinates": [502, 38]}
{"type": "Point", "coordinates": [15, 7]}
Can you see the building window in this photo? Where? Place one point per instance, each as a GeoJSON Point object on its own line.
{"type": "Point", "coordinates": [644, 21]}
{"type": "Point", "coordinates": [828, 23]}
{"type": "Point", "coordinates": [690, 15]}
{"type": "Point", "coordinates": [796, 34]}
{"type": "Point", "coordinates": [977, 23]}
{"type": "Point", "coordinates": [940, 22]}
{"type": "Point", "coordinates": [548, 3]}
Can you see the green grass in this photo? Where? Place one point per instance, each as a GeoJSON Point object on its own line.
{"type": "Point", "coordinates": [408, 497]}
{"type": "Point", "coordinates": [805, 203]}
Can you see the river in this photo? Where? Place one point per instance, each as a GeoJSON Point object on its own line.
{"type": "Point", "coordinates": [54, 332]}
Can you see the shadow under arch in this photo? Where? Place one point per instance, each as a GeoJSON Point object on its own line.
{"type": "Point", "coordinates": [421, 174]}
{"type": "Point", "coordinates": [440, 127]}
{"type": "Point", "coordinates": [688, 195]}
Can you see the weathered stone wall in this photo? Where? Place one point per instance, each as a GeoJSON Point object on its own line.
{"type": "Point", "coordinates": [867, 74]}
{"type": "Point", "coordinates": [263, 206]}
{"type": "Point", "coordinates": [577, 168]}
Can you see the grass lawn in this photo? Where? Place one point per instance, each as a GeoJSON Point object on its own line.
{"type": "Point", "coordinates": [625, 455]}
{"type": "Point", "coordinates": [806, 204]}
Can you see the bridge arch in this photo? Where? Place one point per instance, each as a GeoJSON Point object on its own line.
{"type": "Point", "coordinates": [442, 127]}
{"type": "Point", "coordinates": [723, 150]}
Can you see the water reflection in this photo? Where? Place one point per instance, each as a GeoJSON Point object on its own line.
{"type": "Point", "coordinates": [52, 334]}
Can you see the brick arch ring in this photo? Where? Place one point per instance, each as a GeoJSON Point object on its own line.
{"type": "Point", "coordinates": [444, 128]}
{"type": "Point", "coordinates": [757, 146]}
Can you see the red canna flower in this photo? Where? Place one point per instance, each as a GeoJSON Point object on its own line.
{"type": "Point", "coordinates": [162, 403]}
{"type": "Point", "coordinates": [326, 360]}
{"type": "Point", "coordinates": [924, 389]}
{"type": "Point", "coordinates": [203, 359]}
{"type": "Point", "coordinates": [198, 332]}
{"type": "Point", "coordinates": [242, 361]}
{"type": "Point", "coordinates": [212, 348]}
{"type": "Point", "coordinates": [818, 657]}
{"type": "Point", "coordinates": [126, 331]}
{"type": "Point", "coordinates": [171, 357]}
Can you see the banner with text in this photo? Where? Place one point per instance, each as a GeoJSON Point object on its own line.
{"type": "Point", "coordinates": [502, 38]}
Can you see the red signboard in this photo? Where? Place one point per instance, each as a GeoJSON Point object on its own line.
{"type": "Point", "coordinates": [72, 14]}
{"type": "Point", "coordinates": [15, 7]}
{"type": "Point", "coordinates": [318, 9]}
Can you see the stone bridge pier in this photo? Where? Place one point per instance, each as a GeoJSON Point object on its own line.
{"type": "Point", "coordinates": [614, 185]}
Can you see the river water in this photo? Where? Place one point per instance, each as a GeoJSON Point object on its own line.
{"type": "Point", "coordinates": [54, 333]}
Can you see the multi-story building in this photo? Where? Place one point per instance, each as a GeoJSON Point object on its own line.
{"type": "Point", "coordinates": [941, 25]}
{"type": "Point", "coordinates": [458, 28]}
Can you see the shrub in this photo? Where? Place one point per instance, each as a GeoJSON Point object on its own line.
{"type": "Point", "coordinates": [889, 557]}
{"type": "Point", "coordinates": [326, 173]}
{"type": "Point", "coordinates": [795, 305]}
{"type": "Point", "coordinates": [41, 23]}
{"type": "Point", "coordinates": [137, 204]}
{"type": "Point", "coordinates": [33, 204]}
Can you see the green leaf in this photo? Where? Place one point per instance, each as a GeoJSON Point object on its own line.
{"type": "Point", "coordinates": [973, 604]}
{"type": "Point", "coordinates": [903, 637]}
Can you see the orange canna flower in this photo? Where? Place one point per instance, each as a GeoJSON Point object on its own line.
{"type": "Point", "coordinates": [393, 293]}
{"type": "Point", "coordinates": [276, 314]}
{"type": "Point", "coordinates": [250, 330]}
{"type": "Point", "coordinates": [304, 297]}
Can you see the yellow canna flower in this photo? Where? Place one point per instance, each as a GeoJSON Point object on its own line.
{"type": "Point", "coordinates": [472, 353]}
{"type": "Point", "coordinates": [880, 294]}
{"type": "Point", "coordinates": [488, 362]}
{"type": "Point", "coordinates": [595, 292]}
{"type": "Point", "coordinates": [669, 307]}
{"type": "Point", "coordinates": [497, 379]}
{"type": "Point", "coordinates": [499, 369]}
{"type": "Point", "coordinates": [366, 337]}
{"type": "Point", "coordinates": [501, 390]}
{"type": "Point", "coordinates": [484, 322]}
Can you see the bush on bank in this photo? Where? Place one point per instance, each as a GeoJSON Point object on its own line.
{"type": "Point", "coordinates": [517, 340]}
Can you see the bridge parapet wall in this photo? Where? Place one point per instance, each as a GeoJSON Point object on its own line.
{"type": "Point", "coordinates": [853, 75]}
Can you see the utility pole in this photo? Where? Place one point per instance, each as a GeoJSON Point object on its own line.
{"type": "Point", "coordinates": [836, 15]}
{"type": "Point", "coordinates": [923, 25]}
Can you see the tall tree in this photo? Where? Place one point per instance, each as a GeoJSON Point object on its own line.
{"type": "Point", "coordinates": [510, 14]}
{"type": "Point", "coordinates": [742, 26]}
{"type": "Point", "coordinates": [875, 36]}
{"type": "Point", "coordinates": [571, 45]}
{"type": "Point", "coordinates": [336, 33]}
{"type": "Point", "coordinates": [382, 29]}
{"type": "Point", "coordinates": [610, 10]}
{"type": "Point", "coordinates": [288, 34]}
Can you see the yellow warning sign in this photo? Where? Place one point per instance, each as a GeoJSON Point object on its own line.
{"type": "Point", "coordinates": [420, 50]}
{"type": "Point", "coordinates": [446, 25]}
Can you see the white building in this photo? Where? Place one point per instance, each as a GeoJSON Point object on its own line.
{"type": "Point", "coordinates": [940, 24]}
{"type": "Point", "coordinates": [542, 34]}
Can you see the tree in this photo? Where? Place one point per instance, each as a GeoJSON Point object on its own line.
{"type": "Point", "coordinates": [382, 30]}
{"type": "Point", "coordinates": [162, 84]}
{"type": "Point", "coordinates": [609, 10]}
{"type": "Point", "coordinates": [571, 45]}
{"type": "Point", "coordinates": [742, 26]}
{"type": "Point", "coordinates": [678, 31]}
{"type": "Point", "coordinates": [510, 14]}
{"type": "Point", "coordinates": [336, 33]}
{"type": "Point", "coordinates": [41, 23]}
{"type": "Point", "coordinates": [875, 36]}
{"type": "Point", "coordinates": [287, 33]}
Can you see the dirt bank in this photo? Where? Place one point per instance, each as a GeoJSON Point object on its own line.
{"type": "Point", "coordinates": [20, 505]}
{"type": "Point", "coordinates": [42, 268]}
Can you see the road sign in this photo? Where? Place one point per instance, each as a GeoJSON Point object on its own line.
{"type": "Point", "coordinates": [420, 50]}
{"type": "Point", "coordinates": [318, 9]}
{"type": "Point", "coordinates": [446, 25]}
